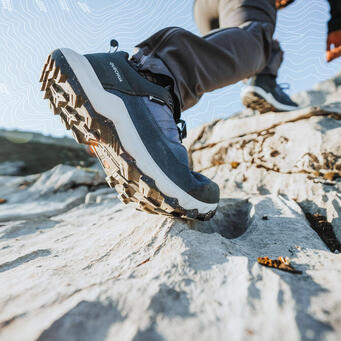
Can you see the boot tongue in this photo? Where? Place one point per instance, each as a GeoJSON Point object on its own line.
{"type": "Point", "coordinates": [164, 119]}
{"type": "Point", "coordinates": [164, 81]}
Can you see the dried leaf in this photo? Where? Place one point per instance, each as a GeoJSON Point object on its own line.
{"type": "Point", "coordinates": [331, 176]}
{"type": "Point", "coordinates": [282, 263]}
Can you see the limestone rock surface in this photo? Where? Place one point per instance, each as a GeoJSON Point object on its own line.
{"type": "Point", "coordinates": [25, 153]}
{"type": "Point", "coordinates": [94, 271]}
{"type": "Point", "coordinates": [296, 154]}
{"type": "Point", "coordinates": [324, 93]}
{"type": "Point", "coordinates": [77, 264]}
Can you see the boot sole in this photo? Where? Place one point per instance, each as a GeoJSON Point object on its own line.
{"type": "Point", "coordinates": [255, 98]}
{"type": "Point", "coordinates": [258, 103]}
{"type": "Point", "coordinates": [67, 99]}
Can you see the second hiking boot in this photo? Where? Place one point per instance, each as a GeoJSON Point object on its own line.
{"type": "Point", "coordinates": [264, 94]}
{"type": "Point", "coordinates": [128, 122]}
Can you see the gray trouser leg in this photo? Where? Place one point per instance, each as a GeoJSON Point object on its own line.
{"type": "Point", "coordinates": [275, 61]}
{"type": "Point", "coordinates": [215, 14]}
{"type": "Point", "coordinates": [202, 64]}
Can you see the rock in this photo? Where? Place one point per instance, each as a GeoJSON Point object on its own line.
{"type": "Point", "coordinates": [292, 154]}
{"type": "Point", "coordinates": [48, 194]}
{"type": "Point", "coordinates": [76, 264]}
{"type": "Point", "coordinates": [327, 92]}
{"type": "Point", "coordinates": [11, 168]}
{"type": "Point", "coordinates": [122, 274]}
{"type": "Point", "coordinates": [100, 196]}
{"type": "Point", "coordinates": [31, 153]}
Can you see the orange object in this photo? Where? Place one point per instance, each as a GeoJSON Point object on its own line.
{"type": "Point", "coordinates": [234, 164]}
{"type": "Point", "coordinates": [282, 263]}
{"type": "Point", "coordinates": [333, 45]}
{"type": "Point", "coordinates": [93, 143]}
{"type": "Point", "coordinates": [91, 150]}
{"type": "Point", "coordinates": [106, 164]}
{"type": "Point", "coordinates": [283, 3]}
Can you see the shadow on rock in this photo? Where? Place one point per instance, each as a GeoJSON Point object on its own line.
{"type": "Point", "coordinates": [303, 290]}
{"type": "Point", "coordinates": [24, 259]}
{"type": "Point", "coordinates": [21, 228]}
{"type": "Point", "coordinates": [326, 230]}
{"type": "Point", "coordinates": [170, 302]}
{"type": "Point", "coordinates": [247, 235]}
{"type": "Point", "coordinates": [231, 220]}
{"type": "Point", "coordinates": [86, 321]}
{"type": "Point", "coordinates": [149, 334]}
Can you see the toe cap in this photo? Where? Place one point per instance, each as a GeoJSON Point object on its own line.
{"type": "Point", "coordinates": [207, 191]}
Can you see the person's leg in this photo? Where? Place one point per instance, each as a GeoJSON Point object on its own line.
{"type": "Point", "coordinates": [275, 60]}
{"type": "Point", "coordinates": [198, 65]}
{"type": "Point", "coordinates": [128, 115]}
{"type": "Point", "coordinates": [210, 16]}
{"type": "Point", "coordinates": [228, 17]}
{"type": "Point", "coordinates": [263, 93]}
{"type": "Point", "coordinates": [206, 15]}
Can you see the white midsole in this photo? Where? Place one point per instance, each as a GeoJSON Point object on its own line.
{"type": "Point", "coordinates": [267, 96]}
{"type": "Point", "coordinates": [112, 107]}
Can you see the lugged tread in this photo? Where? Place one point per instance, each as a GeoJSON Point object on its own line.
{"type": "Point", "coordinates": [254, 101]}
{"type": "Point", "coordinates": [68, 100]}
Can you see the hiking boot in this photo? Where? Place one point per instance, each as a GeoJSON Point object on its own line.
{"type": "Point", "coordinates": [264, 94]}
{"type": "Point", "coordinates": [128, 122]}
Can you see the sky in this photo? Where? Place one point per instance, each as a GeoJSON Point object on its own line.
{"type": "Point", "coordinates": [30, 29]}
